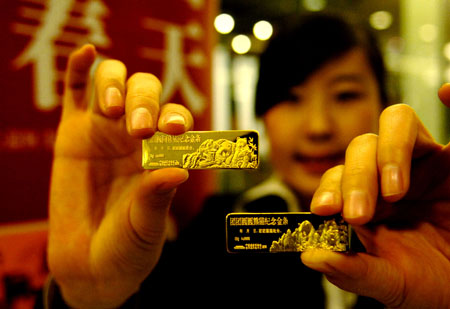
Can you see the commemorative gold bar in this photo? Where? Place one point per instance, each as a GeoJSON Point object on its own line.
{"type": "Point", "coordinates": [286, 232]}
{"type": "Point", "coordinates": [230, 149]}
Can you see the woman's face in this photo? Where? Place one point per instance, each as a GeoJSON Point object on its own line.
{"type": "Point", "coordinates": [310, 132]}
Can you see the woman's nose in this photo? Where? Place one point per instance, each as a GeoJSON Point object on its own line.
{"type": "Point", "coordinates": [319, 123]}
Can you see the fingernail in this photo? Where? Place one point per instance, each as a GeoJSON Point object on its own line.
{"type": "Point", "coordinates": [175, 118]}
{"type": "Point", "coordinates": [324, 202]}
{"type": "Point", "coordinates": [325, 199]}
{"type": "Point", "coordinates": [357, 204]}
{"type": "Point", "coordinates": [113, 97]}
{"type": "Point", "coordinates": [141, 119]}
{"type": "Point", "coordinates": [391, 180]}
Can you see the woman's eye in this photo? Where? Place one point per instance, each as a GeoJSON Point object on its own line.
{"type": "Point", "coordinates": [348, 96]}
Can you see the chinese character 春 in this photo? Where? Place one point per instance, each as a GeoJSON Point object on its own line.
{"type": "Point", "coordinates": [55, 29]}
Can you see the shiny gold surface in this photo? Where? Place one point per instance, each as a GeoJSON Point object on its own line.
{"type": "Point", "coordinates": [232, 149]}
{"type": "Point", "coordinates": [283, 232]}
{"type": "Point", "coordinates": [330, 236]}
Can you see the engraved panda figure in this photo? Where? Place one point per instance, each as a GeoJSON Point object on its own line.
{"type": "Point", "coordinates": [244, 155]}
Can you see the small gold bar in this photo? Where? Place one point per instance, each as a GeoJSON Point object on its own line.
{"type": "Point", "coordinates": [286, 232]}
{"type": "Point", "coordinates": [231, 149]}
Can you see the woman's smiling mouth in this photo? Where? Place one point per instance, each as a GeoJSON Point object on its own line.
{"type": "Point", "coordinates": [321, 163]}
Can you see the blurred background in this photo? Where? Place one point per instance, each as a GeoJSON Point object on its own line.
{"type": "Point", "coordinates": [206, 54]}
{"type": "Point", "coordinates": [414, 36]}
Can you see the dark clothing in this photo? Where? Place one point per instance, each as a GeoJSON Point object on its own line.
{"type": "Point", "coordinates": [196, 270]}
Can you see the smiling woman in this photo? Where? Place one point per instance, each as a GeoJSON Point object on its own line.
{"type": "Point", "coordinates": [310, 131]}
{"type": "Point", "coordinates": [321, 83]}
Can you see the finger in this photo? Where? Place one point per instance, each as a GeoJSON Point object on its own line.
{"type": "Point", "coordinates": [110, 88]}
{"type": "Point", "coordinates": [77, 77]}
{"type": "Point", "coordinates": [444, 94]}
{"type": "Point", "coordinates": [327, 198]}
{"type": "Point", "coordinates": [360, 273]}
{"type": "Point", "coordinates": [175, 119]}
{"type": "Point", "coordinates": [142, 104]}
{"type": "Point", "coordinates": [402, 137]}
{"type": "Point", "coordinates": [360, 180]}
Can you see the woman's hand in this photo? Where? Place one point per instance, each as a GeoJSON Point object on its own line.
{"type": "Point", "coordinates": [394, 189]}
{"type": "Point", "coordinates": [107, 215]}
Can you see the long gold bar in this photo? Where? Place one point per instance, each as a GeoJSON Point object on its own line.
{"type": "Point", "coordinates": [285, 232]}
{"type": "Point", "coordinates": [231, 149]}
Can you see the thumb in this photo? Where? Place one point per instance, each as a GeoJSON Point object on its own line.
{"type": "Point", "coordinates": [359, 273]}
{"type": "Point", "coordinates": [149, 211]}
{"type": "Point", "coordinates": [129, 241]}
{"type": "Point", "coordinates": [138, 232]}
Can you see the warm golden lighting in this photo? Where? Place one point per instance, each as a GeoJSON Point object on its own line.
{"type": "Point", "coordinates": [314, 5]}
{"type": "Point", "coordinates": [262, 30]}
{"type": "Point", "coordinates": [241, 44]}
{"type": "Point", "coordinates": [428, 32]}
{"type": "Point", "coordinates": [380, 20]}
{"type": "Point", "coordinates": [447, 50]}
{"type": "Point", "coordinates": [224, 23]}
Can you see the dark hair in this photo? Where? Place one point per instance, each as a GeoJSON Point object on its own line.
{"type": "Point", "coordinates": [299, 50]}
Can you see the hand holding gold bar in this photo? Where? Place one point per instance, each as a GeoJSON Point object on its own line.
{"type": "Point", "coordinates": [232, 149]}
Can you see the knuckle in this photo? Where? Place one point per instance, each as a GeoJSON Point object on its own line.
{"type": "Point", "coordinates": [363, 139]}
{"type": "Point", "coordinates": [173, 107]}
{"type": "Point", "coordinates": [144, 85]}
{"type": "Point", "coordinates": [334, 172]}
{"type": "Point", "coordinates": [360, 153]}
{"type": "Point", "coordinates": [148, 78]}
{"type": "Point", "coordinates": [332, 175]}
{"type": "Point", "coordinates": [137, 99]}
{"type": "Point", "coordinates": [356, 170]}
{"type": "Point", "coordinates": [108, 63]}
{"type": "Point", "coordinates": [396, 110]}
{"type": "Point", "coordinates": [110, 72]}
{"type": "Point", "coordinates": [110, 67]}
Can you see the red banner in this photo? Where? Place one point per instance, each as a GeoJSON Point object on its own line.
{"type": "Point", "coordinates": [172, 39]}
